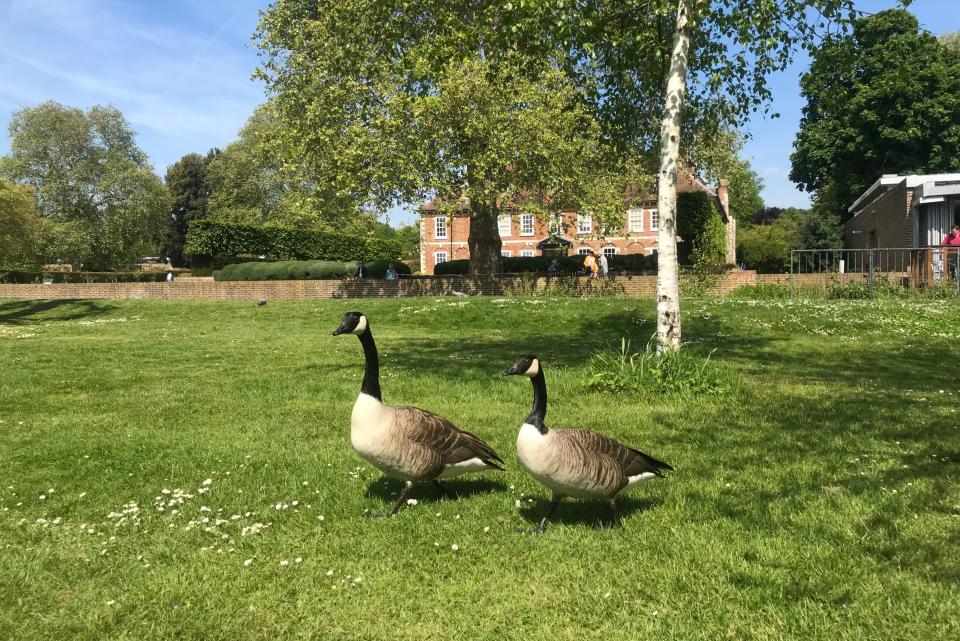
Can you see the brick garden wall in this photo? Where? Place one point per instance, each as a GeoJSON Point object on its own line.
{"type": "Point", "coordinates": [196, 289]}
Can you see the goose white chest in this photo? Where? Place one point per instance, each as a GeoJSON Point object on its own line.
{"type": "Point", "coordinates": [368, 427]}
{"type": "Point", "coordinates": [539, 457]}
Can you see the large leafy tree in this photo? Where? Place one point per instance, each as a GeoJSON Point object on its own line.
{"type": "Point", "coordinates": [884, 98]}
{"type": "Point", "coordinates": [93, 184]}
{"type": "Point", "coordinates": [20, 224]}
{"type": "Point", "coordinates": [189, 189]}
{"type": "Point", "coordinates": [393, 102]}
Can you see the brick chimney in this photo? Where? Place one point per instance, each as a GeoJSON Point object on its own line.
{"type": "Point", "coordinates": [723, 193]}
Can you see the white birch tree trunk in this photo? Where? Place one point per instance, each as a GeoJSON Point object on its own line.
{"type": "Point", "coordinates": [668, 273]}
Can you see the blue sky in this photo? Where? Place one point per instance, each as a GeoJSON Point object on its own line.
{"type": "Point", "coordinates": [180, 72]}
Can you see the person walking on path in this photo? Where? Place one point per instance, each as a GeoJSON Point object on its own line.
{"type": "Point", "coordinates": [590, 264]}
{"type": "Point", "coordinates": [951, 252]}
{"type": "Point", "coordinates": [603, 264]}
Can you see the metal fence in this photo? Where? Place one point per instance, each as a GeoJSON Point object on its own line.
{"type": "Point", "coordinates": [922, 269]}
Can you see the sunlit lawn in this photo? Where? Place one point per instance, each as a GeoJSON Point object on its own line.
{"type": "Point", "coordinates": [820, 499]}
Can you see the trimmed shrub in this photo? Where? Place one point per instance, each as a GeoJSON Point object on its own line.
{"type": "Point", "coordinates": [305, 270]}
{"type": "Point", "coordinates": [27, 277]}
{"type": "Point", "coordinates": [211, 242]}
{"type": "Point", "coordinates": [566, 264]}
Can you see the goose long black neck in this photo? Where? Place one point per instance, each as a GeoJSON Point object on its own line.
{"type": "Point", "coordinates": [371, 366]}
{"type": "Point", "coordinates": [539, 410]}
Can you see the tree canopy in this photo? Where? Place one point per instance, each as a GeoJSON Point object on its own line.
{"type": "Point", "coordinates": [93, 184]}
{"type": "Point", "coordinates": [20, 224]}
{"type": "Point", "coordinates": [189, 189]}
{"type": "Point", "coordinates": [884, 98]}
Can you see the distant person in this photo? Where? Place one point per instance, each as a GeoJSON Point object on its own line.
{"type": "Point", "coordinates": [952, 254]}
{"type": "Point", "coordinates": [553, 268]}
{"type": "Point", "coordinates": [391, 272]}
{"type": "Point", "coordinates": [361, 271]}
{"type": "Point", "coordinates": [169, 277]}
{"type": "Point", "coordinates": [603, 264]}
{"type": "Point", "coordinates": [590, 264]}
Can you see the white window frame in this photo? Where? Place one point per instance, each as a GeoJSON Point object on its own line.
{"type": "Point", "coordinates": [528, 253]}
{"type": "Point", "coordinates": [524, 220]}
{"type": "Point", "coordinates": [555, 226]}
{"type": "Point", "coordinates": [584, 223]}
{"type": "Point", "coordinates": [504, 223]}
{"type": "Point", "coordinates": [654, 219]}
{"type": "Point", "coordinates": [634, 226]}
{"type": "Point", "coordinates": [506, 253]}
{"type": "Point", "coordinates": [583, 251]}
{"type": "Point", "coordinates": [437, 258]}
{"type": "Point", "coordinates": [440, 230]}
{"type": "Point", "coordinates": [610, 250]}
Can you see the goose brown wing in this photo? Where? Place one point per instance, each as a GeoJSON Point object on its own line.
{"type": "Point", "coordinates": [630, 461]}
{"type": "Point", "coordinates": [452, 444]}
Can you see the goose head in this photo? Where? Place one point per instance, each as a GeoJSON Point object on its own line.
{"type": "Point", "coordinates": [527, 365]}
{"type": "Point", "coordinates": [352, 323]}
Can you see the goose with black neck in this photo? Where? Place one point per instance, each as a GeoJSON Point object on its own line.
{"type": "Point", "coordinates": [575, 463]}
{"type": "Point", "coordinates": [407, 443]}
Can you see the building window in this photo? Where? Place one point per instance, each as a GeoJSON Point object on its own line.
{"type": "Point", "coordinates": [439, 257]}
{"type": "Point", "coordinates": [505, 253]}
{"type": "Point", "coordinates": [654, 220]}
{"type": "Point", "coordinates": [526, 224]}
{"type": "Point", "coordinates": [583, 251]}
{"type": "Point", "coordinates": [556, 224]}
{"type": "Point", "coordinates": [503, 223]}
{"type": "Point", "coordinates": [635, 220]}
{"type": "Point", "coordinates": [609, 251]}
{"type": "Point", "coordinates": [584, 223]}
{"type": "Point", "coordinates": [527, 253]}
{"type": "Point", "coordinates": [440, 228]}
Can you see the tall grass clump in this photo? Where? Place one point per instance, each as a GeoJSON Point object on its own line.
{"type": "Point", "coordinates": [683, 372]}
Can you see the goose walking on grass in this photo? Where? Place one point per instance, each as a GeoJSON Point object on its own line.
{"type": "Point", "coordinates": [407, 443]}
{"type": "Point", "coordinates": [571, 462]}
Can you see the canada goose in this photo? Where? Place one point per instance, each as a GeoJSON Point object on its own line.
{"type": "Point", "coordinates": [407, 443]}
{"type": "Point", "coordinates": [575, 463]}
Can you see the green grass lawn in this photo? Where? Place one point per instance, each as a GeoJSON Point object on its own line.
{"type": "Point", "coordinates": [819, 499]}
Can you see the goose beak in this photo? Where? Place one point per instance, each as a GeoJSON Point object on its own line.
{"type": "Point", "coordinates": [339, 331]}
{"type": "Point", "coordinates": [510, 372]}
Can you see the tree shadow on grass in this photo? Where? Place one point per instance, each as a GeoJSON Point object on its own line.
{"type": "Point", "coordinates": [26, 311]}
{"type": "Point", "coordinates": [596, 514]}
{"type": "Point", "coordinates": [387, 489]}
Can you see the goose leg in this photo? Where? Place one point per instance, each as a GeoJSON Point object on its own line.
{"type": "Point", "coordinates": [615, 514]}
{"type": "Point", "coordinates": [554, 504]}
{"type": "Point", "coordinates": [443, 490]}
{"type": "Point", "coordinates": [396, 506]}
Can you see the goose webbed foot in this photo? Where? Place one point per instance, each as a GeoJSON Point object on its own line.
{"type": "Point", "coordinates": [396, 506]}
{"type": "Point", "coordinates": [545, 521]}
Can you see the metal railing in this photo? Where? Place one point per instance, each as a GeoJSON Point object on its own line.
{"type": "Point", "coordinates": [931, 269]}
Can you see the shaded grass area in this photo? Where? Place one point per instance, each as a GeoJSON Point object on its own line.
{"type": "Point", "coordinates": [816, 500]}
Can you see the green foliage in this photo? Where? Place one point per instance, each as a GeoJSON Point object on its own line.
{"type": "Point", "coordinates": [27, 277]}
{"type": "Point", "coordinates": [189, 189]}
{"type": "Point", "coordinates": [719, 158]}
{"type": "Point", "coordinates": [210, 238]}
{"type": "Point", "coordinates": [20, 224]}
{"type": "Point", "coordinates": [648, 373]}
{"type": "Point", "coordinates": [700, 226]}
{"type": "Point", "coordinates": [884, 98]}
{"type": "Point", "coordinates": [766, 248]}
{"type": "Point", "coordinates": [634, 263]}
{"type": "Point", "coordinates": [103, 205]}
{"type": "Point", "coordinates": [305, 270]}
{"type": "Point", "coordinates": [762, 291]}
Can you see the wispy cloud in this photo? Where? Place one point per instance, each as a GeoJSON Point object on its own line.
{"type": "Point", "coordinates": [180, 72]}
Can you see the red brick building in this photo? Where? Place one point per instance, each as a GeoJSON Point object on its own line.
{"type": "Point", "coordinates": [444, 238]}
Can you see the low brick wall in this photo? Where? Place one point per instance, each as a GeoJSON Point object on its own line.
{"type": "Point", "coordinates": [197, 289]}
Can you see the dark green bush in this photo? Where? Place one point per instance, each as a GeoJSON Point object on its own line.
{"type": "Point", "coordinates": [26, 277]}
{"type": "Point", "coordinates": [566, 264]}
{"type": "Point", "coordinates": [305, 270]}
{"type": "Point", "coordinates": [211, 242]}
{"type": "Point", "coordinates": [762, 291]}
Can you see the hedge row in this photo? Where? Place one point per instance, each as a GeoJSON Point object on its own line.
{"type": "Point", "coordinates": [208, 241]}
{"type": "Point", "coordinates": [565, 264]}
{"type": "Point", "coordinates": [25, 277]}
{"type": "Point", "coordinates": [305, 270]}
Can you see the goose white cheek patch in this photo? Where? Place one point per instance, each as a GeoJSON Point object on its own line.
{"type": "Point", "coordinates": [533, 370]}
{"type": "Point", "coordinates": [361, 326]}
